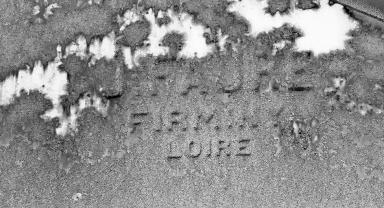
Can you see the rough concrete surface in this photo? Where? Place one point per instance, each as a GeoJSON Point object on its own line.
{"type": "Point", "coordinates": [254, 123]}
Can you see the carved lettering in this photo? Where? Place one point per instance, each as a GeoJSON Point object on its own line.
{"type": "Point", "coordinates": [139, 118]}
{"type": "Point", "coordinates": [175, 120]}
{"type": "Point", "coordinates": [174, 151]}
{"type": "Point", "coordinates": [161, 120]}
{"type": "Point", "coordinates": [223, 146]}
{"type": "Point", "coordinates": [157, 119]}
{"type": "Point", "coordinates": [243, 147]}
{"type": "Point", "coordinates": [194, 149]}
{"type": "Point", "coordinates": [212, 147]}
{"type": "Point", "coordinates": [209, 154]}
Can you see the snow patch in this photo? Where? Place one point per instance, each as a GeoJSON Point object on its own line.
{"type": "Point", "coordinates": [105, 48]}
{"type": "Point", "coordinates": [324, 30]}
{"type": "Point", "coordinates": [48, 11]}
{"type": "Point", "coordinates": [195, 43]}
{"type": "Point", "coordinates": [78, 48]}
{"type": "Point", "coordinates": [46, 7]}
{"type": "Point", "coordinates": [129, 17]}
{"type": "Point", "coordinates": [222, 40]}
{"type": "Point", "coordinates": [97, 49]}
{"type": "Point", "coordinates": [279, 46]}
{"type": "Point", "coordinates": [50, 81]}
{"type": "Point", "coordinates": [128, 59]}
{"type": "Point", "coordinates": [68, 124]}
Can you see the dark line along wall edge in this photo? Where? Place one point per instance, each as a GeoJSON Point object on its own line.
{"type": "Point", "coordinates": [373, 8]}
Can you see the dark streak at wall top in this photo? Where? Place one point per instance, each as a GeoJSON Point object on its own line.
{"type": "Point", "coordinates": [374, 8]}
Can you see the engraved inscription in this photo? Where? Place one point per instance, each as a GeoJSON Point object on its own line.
{"type": "Point", "coordinates": [174, 151]}
{"type": "Point", "coordinates": [223, 147]}
{"type": "Point", "coordinates": [179, 121]}
{"type": "Point", "coordinates": [243, 149]}
{"type": "Point", "coordinates": [209, 148]}
{"type": "Point", "coordinates": [194, 149]}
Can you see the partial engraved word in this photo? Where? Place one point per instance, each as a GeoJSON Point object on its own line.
{"type": "Point", "coordinates": [209, 148]}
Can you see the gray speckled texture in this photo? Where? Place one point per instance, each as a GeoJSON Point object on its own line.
{"type": "Point", "coordinates": [245, 102]}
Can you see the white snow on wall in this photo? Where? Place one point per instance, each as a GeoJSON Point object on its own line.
{"type": "Point", "coordinates": [97, 49]}
{"type": "Point", "coordinates": [36, 10]}
{"type": "Point", "coordinates": [128, 59]}
{"type": "Point", "coordinates": [78, 48]}
{"type": "Point", "coordinates": [51, 82]}
{"type": "Point", "coordinates": [48, 8]}
{"type": "Point", "coordinates": [325, 29]}
{"type": "Point", "coordinates": [195, 43]}
{"type": "Point", "coordinates": [279, 46]}
{"type": "Point", "coordinates": [98, 2]}
{"type": "Point", "coordinates": [48, 11]}
{"type": "Point", "coordinates": [129, 17]}
{"type": "Point", "coordinates": [68, 124]}
{"type": "Point", "coordinates": [222, 40]}
{"type": "Point", "coordinates": [105, 48]}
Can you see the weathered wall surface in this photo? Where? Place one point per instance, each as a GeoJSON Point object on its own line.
{"type": "Point", "coordinates": [254, 125]}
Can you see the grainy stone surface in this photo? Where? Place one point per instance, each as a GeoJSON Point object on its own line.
{"type": "Point", "coordinates": [238, 128]}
